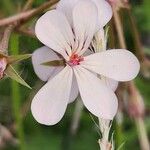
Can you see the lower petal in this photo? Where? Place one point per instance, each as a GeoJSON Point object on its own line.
{"type": "Point", "coordinates": [97, 97]}
{"type": "Point", "coordinates": [110, 83]}
{"type": "Point", "coordinates": [74, 90]}
{"type": "Point", "coordinates": [50, 103]}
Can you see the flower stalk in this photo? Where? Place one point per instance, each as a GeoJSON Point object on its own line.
{"type": "Point", "coordinates": [145, 63]}
{"type": "Point", "coordinates": [119, 28]}
{"type": "Point", "coordinates": [5, 39]}
{"type": "Point", "coordinates": [27, 15]}
{"type": "Point", "coordinates": [105, 126]}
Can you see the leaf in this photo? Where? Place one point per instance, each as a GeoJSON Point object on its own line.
{"type": "Point", "coordinates": [54, 63]}
{"type": "Point", "coordinates": [11, 72]}
{"type": "Point", "coordinates": [18, 58]}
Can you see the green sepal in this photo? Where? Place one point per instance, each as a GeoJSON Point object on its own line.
{"type": "Point", "coordinates": [17, 58]}
{"type": "Point", "coordinates": [12, 73]}
{"type": "Point", "coordinates": [106, 32]}
{"type": "Point", "coordinates": [54, 63]}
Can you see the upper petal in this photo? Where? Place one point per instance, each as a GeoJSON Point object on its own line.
{"type": "Point", "coordinates": [97, 97]}
{"type": "Point", "coordinates": [40, 56]}
{"type": "Point", "coordinates": [66, 6]}
{"type": "Point", "coordinates": [104, 10]}
{"type": "Point", "coordinates": [50, 103]}
{"type": "Point", "coordinates": [118, 64]}
{"type": "Point", "coordinates": [53, 30]}
{"type": "Point", "coordinates": [84, 28]}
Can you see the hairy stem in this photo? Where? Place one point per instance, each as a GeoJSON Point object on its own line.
{"type": "Point", "coordinates": [105, 126]}
{"type": "Point", "coordinates": [26, 16]}
{"type": "Point", "coordinates": [5, 39]}
{"type": "Point", "coordinates": [119, 28]}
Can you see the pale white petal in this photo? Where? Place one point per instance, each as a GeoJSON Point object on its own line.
{"type": "Point", "coordinates": [50, 103]}
{"type": "Point", "coordinates": [97, 97]}
{"type": "Point", "coordinates": [74, 90]}
{"type": "Point", "coordinates": [74, 87]}
{"type": "Point", "coordinates": [104, 12]}
{"type": "Point", "coordinates": [84, 21]}
{"type": "Point", "coordinates": [117, 64]}
{"type": "Point", "coordinates": [66, 6]}
{"type": "Point", "coordinates": [40, 56]}
{"type": "Point", "coordinates": [110, 83]}
{"type": "Point", "coordinates": [53, 30]}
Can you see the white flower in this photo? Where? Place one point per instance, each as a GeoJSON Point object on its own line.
{"type": "Point", "coordinates": [71, 40]}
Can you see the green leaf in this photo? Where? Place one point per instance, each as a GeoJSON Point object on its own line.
{"type": "Point", "coordinates": [54, 63]}
{"type": "Point", "coordinates": [18, 58]}
{"type": "Point", "coordinates": [12, 73]}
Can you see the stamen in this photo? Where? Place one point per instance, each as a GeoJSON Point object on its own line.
{"type": "Point", "coordinates": [75, 60]}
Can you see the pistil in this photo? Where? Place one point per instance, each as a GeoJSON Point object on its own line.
{"type": "Point", "coordinates": [75, 60]}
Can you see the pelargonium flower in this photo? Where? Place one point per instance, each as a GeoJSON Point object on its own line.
{"type": "Point", "coordinates": [69, 41]}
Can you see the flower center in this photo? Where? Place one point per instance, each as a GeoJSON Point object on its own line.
{"type": "Point", "coordinates": [75, 60]}
{"type": "Point", "coordinates": [3, 64]}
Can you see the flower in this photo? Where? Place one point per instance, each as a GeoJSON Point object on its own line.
{"type": "Point", "coordinates": [69, 39]}
{"type": "Point", "coordinates": [3, 64]}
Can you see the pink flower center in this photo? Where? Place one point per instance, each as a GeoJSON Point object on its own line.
{"type": "Point", "coordinates": [75, 60]}
{"type": "Point", "coordinates": [3, 64]}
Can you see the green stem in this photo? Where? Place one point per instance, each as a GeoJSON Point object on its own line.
{"type": "Point", "coordinates": [16, 96]}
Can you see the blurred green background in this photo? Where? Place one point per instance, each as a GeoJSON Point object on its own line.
{"type": "Point", "coordinates": [15, 99]}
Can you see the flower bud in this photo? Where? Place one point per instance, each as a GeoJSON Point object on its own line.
{"type": "Point", "coordinates": [3, 65]}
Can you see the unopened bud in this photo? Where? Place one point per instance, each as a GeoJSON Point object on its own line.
{"type": "Point", "coordinates": [3, 65]}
